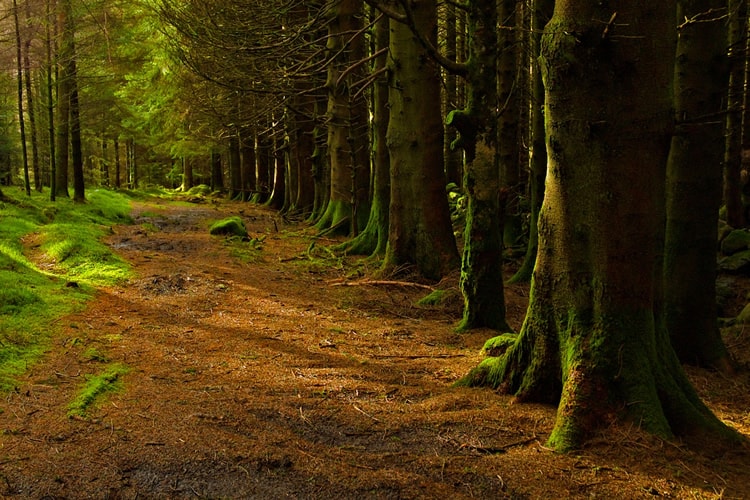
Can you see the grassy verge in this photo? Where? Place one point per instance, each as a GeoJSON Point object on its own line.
{"type": "Point", "coordinates": [51, 260]}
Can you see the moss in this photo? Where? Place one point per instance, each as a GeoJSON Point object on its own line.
{"type": "Point", "coordinates": [96, 387]}
{"type": "Point", "coordinates": [232, 226]}
{"type": "Point", "coordinates": [200, 190]}
{"type": "Point", "coordinates": [497, 346]}
{"type": "Point", "coordinates": [735, 242]}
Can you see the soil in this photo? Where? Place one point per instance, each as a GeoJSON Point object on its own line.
{"type": "Point", "coordinates": [273, 369]}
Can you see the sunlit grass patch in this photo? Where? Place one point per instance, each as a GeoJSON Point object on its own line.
{"type": "Point", "coordinates": [44, 248]}
{"type": "Point", "coordinates": [96, 388]}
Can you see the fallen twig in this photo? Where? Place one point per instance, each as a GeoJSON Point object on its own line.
{"type": "Point", "coordinates": [384, 283]}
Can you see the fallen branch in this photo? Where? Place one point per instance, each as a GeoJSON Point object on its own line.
{"type": "Point", "coordinates": [384, 283]}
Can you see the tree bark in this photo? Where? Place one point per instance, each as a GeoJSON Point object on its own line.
{"type": "Point", "coordinates": [733, 132]}
{"type": "Point", "coordinates": [594, 338]}
{"type": "Point", "coordinates": [420, 230]}
{"type": "Point", "coordinates": [374, 238]}
{"type": "Point", "coordinates": [21, 120]}
{"type": "Point", "coordinates": [31, 111]}
{"type": "Point", "coordinates": [541, 13]}
{"type": "Point", "coordinates": [481, 269]}
{"type": "Point", "coordinates": [694, 183]}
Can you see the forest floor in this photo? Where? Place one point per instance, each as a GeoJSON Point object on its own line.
{"type": "Point", "coordinates": [272, 369]}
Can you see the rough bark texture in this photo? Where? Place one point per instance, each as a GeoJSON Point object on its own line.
{"type": "Point", "coordinates": [347, 122]}
{"type": "Point", "coordinates": [694, 184]}
{"type": "Point", "coordinates": [594, 336]}
{"type": "Point", "coordinates": [481, 268]}
{"type": "Point", "coordinates": [64, 90]}
{"type": "Point", "coordinates": [420, 229]}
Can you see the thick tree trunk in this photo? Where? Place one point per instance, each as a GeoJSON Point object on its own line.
{"type": "Point", "coordinates": [69, 61]}
{"type": "Point", "coordinates": [420, 230]}
{"type": "Point", "coordinates": [694, 183]}
{"type": "Point", "coordinates": [594, 336]}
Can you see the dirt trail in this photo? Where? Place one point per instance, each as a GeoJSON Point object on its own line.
{"type": "Point", "coordinates": [260, 379]}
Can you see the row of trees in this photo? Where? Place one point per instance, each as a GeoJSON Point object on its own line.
{"type": "Point", "coordinates": [356, 114]}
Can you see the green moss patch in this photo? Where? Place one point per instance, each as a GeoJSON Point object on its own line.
{"type": "Point", "coordinates": [231, 226]}
{"type": "Point", "coordinates": [96, 388]}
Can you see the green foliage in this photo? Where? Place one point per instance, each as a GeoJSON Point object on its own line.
{"type": "Point", "coordinates": [96, 387]}
{"type": "Point", "coordinates": [246, 251]}
{"type": "Point", "coordinates": [43, 247]}
{"type": "Point", "coordinates": [232, 226]}
{"type": "Point", "coordinates": [200, 190]}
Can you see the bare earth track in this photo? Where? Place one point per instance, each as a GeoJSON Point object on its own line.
{"type": "Point", "coordinates": [260, 379]}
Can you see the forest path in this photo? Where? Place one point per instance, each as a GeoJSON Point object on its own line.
{"type": "Point", "coordinates": [251, 376]}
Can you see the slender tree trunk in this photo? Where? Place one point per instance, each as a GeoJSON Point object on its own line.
{"type": "Point", "coordinates": [733, 132]}
{"type": "Point", "coordinates": [117, 162]}
{"type": "Point", "coordinates": [187, 174]}
{"type": "Point", "coordinates": [235, 168]}
{"type": "Point", "coordinates": [320, 166]}
{"type": "Point", "coordinates": [694, 186]}
{"type": "Point", "coordinates": [541, 12]}
{"type": "Point", "coordinates": [420, 229]}
{"type": "Point", "coordinates": [374, 238]}
{"type": "Point", "coordinates": [347, 121]}
{"type": "Point", "coordinates": [264, 152]}
{"type": "Point", "coordinates": [217, 177]}
{"type": "Point", "coordinates": [105, 163]}
{"type": "Point", "coordinates": [508, 120]}
{"type": "Point", "coordinates": [21, 120]}
{"type": "Point", "coordinates": [51, 103]}
{"type": "Point", "coordinates": [453, 156]}
{"type": "Point", "coordinates": [247, 152]}
{"type": "Point", "coordinates": [594, 337]}
{"type": "Point", "coordinates": [31, 110]}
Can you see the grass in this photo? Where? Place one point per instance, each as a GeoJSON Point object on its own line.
{"type": "Point", "coordinates": [35, 291]}
{"type": "Point", "coordinates": [96, 387]}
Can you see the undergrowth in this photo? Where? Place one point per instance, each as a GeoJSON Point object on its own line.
{"type": "Point", "coordinates": [51, 258]}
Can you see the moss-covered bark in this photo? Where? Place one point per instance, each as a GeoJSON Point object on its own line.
{"type": "Point", "coordinates": [694, 184]}
{"type": "Point", "coordinates": [347, 123]}
{"type": "Point", "coordinates": [481, 268]}
{"type": "Point", "coordinates": [420, 230]}
{"type": "Point", "coordinates": [594, 338]}
{"type": "Point", "coordinates": [374, 238]}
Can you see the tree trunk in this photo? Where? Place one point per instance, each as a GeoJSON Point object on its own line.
{"type": "Point", "coordinates": [30, 104]}
{"type": "Point", "coordinates": [51, 103]}
{"type": "Point", "coordinates": [694, 186]}
{"type": "Point", "coordinates": [117, 162]}
{"type": "Point", "coordinates": [374, 238]}
{"type": "Point", "coordinates": [21, 120]}
{"type": "Point", "coordinates": [104, 164]}
{"type": "Point", "coordinates": [508, 119]}
{"type": "Point", "coordinates": [453, 157]}
{"type": "Point", "coordinates": [235, 168]}
{"type": "Point", "coordinates": [346, 121]}
{"type": "Point", "coordinates": [733, 153]}
{"type": "Point", "coordinates": [247, 152]}
{"type": "Point", "coordinates": [594, 337]}
{"type": "Point", "coordinates": [187, 175]}
{"type": "Point", "coordinates": [481, 270]}
{"type": "Point", "coordinates": [265, 162]}
{"type": "Point", "coordinates": [541, 12]}
{"type": "Point", "coordinates": [420, 230]}
{"type": "Point", "coordinates": [71, 72]}
{"type": "Point", "coordinates": [217, 178]}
